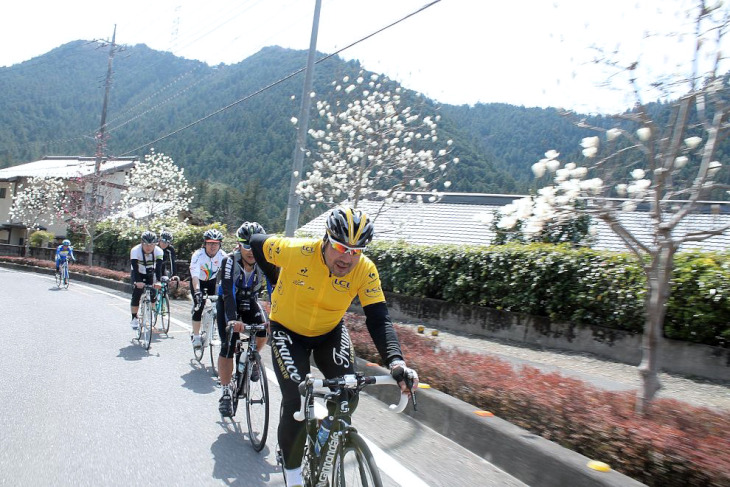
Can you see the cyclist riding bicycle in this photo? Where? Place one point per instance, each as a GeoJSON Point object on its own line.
{"type": "Point", "coordinates": [146, 260]}
{"type": "Point", "coordinates": [204, 266]}
{"type": "Point", "coordinates": [64, 252]}
{"type": "Point", "coordinates": [241, 281]}
{"type": "Point", "coordinates": [317, 283]}
{"type": "Point", "coordinates": [169, 262]}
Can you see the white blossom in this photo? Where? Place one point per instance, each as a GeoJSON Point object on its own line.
{"type": "Point", "coordinates": [638, 174]}
{"type": "Point", "coordinates": [692, 142]}
{"type": "Point", "coordinates": [644, 133]}
{"type": "Point", "coordinates": [612, 134]}
{"type": "Point", "coordinates": [681, 161]}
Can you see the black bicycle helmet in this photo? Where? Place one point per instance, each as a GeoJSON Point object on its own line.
{"type": "Point", "coordinates": [213, 234]}
{"type": "Point", "coordinates": [247, 229]}
{"type": "Point", "coordinates": [350, 227]}
{"type": "Point", "coordinates": [149, 237]}
{"type": "Point", "coordinates": [166, 236]}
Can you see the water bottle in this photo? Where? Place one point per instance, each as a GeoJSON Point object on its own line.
{"type": "Point", "coordinates": [323, 434]}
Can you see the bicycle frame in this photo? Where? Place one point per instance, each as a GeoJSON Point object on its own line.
{"type": "Point", "coordinates": [341, 390]}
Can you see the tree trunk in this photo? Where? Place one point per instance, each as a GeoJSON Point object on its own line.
{"type": "Point", "coordinates": [90, 247]}
{"type": "Point", "coordinates": [658, 276]}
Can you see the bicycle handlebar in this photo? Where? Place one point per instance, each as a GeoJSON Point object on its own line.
{"type": "Point", "coordinates": [350, 381]}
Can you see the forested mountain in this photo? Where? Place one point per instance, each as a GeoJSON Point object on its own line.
{"type": "Point", "coordinates": [229, 126]}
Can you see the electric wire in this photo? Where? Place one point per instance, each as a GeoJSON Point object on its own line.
{"type": "Point", "coordinates": [279, 81]}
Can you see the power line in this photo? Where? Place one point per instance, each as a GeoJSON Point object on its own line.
{"type": "Point", "coordinates": [281, 80]}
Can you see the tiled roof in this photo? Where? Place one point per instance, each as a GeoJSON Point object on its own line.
{"type": "Point", "coordinates": [454, 219]}
{"type": "Point", "coordinates": [65, 167]}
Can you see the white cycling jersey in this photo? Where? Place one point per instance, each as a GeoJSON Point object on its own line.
{"type": "Point", "coordinates": [145, 262]}
{"type": "Point", "coordinates": [203, 267]}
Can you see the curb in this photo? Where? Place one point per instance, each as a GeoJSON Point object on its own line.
{"type": "Point", "coordinates": [524, 455]}
{"type": "Point", "coordinates": [528, 457]}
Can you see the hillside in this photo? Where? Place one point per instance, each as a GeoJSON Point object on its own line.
{"type": "Point", "coordinates": [229, 125]}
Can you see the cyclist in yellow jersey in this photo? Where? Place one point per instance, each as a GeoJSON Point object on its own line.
{"type": "Point", "coordinates": [318, 280]}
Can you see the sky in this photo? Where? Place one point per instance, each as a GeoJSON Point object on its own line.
{"type": "Point", "coordinates": [534, 53]}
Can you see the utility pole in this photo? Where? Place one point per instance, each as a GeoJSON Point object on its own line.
{"type": "Point", "coordinates": [93, 214]}
{"type": "Point", "coordinates": [292, 210]}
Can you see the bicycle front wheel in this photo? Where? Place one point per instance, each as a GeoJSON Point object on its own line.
{"type": "Point", "coordinates": [165, 313]}
{"type": "Point", "coordinates": [257, 403]}
{"type": "Point", "coordinates": [146, 325]}
{"type": "Point", "coordinates": [355, 465]}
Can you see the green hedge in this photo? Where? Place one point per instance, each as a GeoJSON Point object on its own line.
{"type": "Point", "coordinates": [581, 286]}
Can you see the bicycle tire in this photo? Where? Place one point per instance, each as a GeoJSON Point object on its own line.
{"type": "Point", "coordinates": [355, 465]}
{"type": "Point", "coordinates": [214, 345]}
{"type": "Point", "coordinates": [140, 312]}
{"type": "Point", "coordinates": [204, 327]}
{"type": "Point", "coordinates": [147, 331]}
{"type": "Point", "coordinates": [257, 404]}
{"type": "Point", "coordinates": [165, 313]}
{"type": "Point", "coordinates": [57, 275]}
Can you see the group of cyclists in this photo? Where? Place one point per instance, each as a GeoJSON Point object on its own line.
{"type": "Point", "coordinates": [311, 283]}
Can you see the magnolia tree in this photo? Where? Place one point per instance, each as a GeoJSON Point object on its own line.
{"type": "Point", "coordinates": [373, 144]}
{"type": "Point", "coordinates": [667, 166]}
{"type": "Point", "coordinates": [39, 200]}
{"type": "Point", "coordinates": [156, 190]}
{"type": "Point", "coordinates": [91, 201]}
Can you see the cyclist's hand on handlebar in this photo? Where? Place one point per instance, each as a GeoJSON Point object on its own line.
{"type": "Point", "coordinates": [139, 285]}
{"type": "Point", "coordinates": [407, 378]}
{"type": "Point", "coordinates": [236, 326]}
{"type": "Point", "coordinates": [157, 285]}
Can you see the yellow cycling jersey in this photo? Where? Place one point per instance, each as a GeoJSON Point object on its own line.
{"type": "Point", "coordinates": [307, 299]}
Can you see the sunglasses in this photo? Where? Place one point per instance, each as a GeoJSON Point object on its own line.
{"type": "Point", "coordinates": [244, 246]}
{"type": "Point", "coordinates": [344, 249]}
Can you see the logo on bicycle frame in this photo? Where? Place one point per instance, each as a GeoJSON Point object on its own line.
{"type": "Point", "coordinates": [329, 460]}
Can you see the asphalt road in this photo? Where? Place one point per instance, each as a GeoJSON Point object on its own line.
{"type": "Point", "coordinates": [82, 403]}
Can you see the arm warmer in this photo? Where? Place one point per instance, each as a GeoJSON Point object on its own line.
{"type": "Point", "coordinates": [382, 332]}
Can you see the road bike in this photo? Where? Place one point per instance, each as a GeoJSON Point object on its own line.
{"type": "Point", "coordinates": [209, 338]}
{"type": "Point", "coordinates": [249, 388]}
{"type": "Point", "coordinates": [145, 316]}
{"type": "Point", "coordinates": [62, 276]}
{"type": "Point", "coordinates": [162, 306]}
{"type": "Point", "coordinates": [343, 458]}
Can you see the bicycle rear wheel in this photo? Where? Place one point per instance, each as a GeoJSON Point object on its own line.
{"type": "Point", "coordinates": [257, 403]}
{"type": "Point", "coordinates": [146, 325]}
{"type": "Point", "coordinates": [214, 345]}
{"type": "Point", "coordinates": [165, 313]}
{"type": "Point", "coordinates": [355, 465]}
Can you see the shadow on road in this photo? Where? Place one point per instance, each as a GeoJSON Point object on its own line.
{"type": "Point", "coordinates": [133, 351]}
{"type": "Point", "coordinates": [200, 379]}
{"type": "Point", "coordinates": [228, 451]}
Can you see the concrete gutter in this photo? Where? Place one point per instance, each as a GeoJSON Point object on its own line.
{"type": "Point", "coordinates": [526, 456]}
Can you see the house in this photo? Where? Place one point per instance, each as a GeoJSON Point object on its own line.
{"type": "Point", "coordinates": [76, 170]}
{"type": "Point", "coordinates": [456, 218]}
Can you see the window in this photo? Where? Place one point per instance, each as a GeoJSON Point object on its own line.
{"type": "Point", "coordinates": [2, 192]}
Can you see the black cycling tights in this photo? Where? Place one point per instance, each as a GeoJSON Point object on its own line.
{"type": "Point", "coordinates": [333, 355]}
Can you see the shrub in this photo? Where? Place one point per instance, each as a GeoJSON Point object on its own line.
{"type": "Point", "coordinates": [581, 286]}
{"type": "Point", "coordinates": [674, 445]}
{"type": "Point", "coordinates": [40, 238]}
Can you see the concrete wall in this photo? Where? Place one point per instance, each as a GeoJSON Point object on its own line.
{"type": "Point", "coordinates": [675, 356]}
